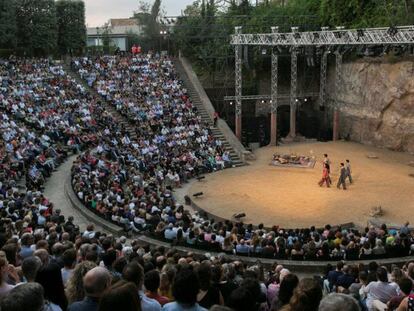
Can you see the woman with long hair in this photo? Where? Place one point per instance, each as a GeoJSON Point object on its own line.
{"type": "Point", "coordinates": [74, 288]}
{"type": "Point", "coordinates": [306, 296]}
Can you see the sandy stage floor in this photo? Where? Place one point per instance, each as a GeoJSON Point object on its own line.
{"type": "Point", "coordinates": [292, 198]}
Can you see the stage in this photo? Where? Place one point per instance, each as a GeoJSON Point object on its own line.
{"type": "Point", "coordinates": [292, 198]}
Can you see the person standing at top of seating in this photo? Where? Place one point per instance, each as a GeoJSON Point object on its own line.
{"type": "Point", "coordinates": [215, 117]}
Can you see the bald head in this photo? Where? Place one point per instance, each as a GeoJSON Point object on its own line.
{"type": "Point", "coordinates": [96, 281]}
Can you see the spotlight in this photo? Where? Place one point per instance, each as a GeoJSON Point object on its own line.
{"type": "Point", "coordinates": [263, 101]}
{"type": "Point", "coordinates": [198, 194]}
{"type": "Point", "coordinates": [305, 100]}
{"type": "Point", "coordinates": [297, 35]}
{"type": "Point", "coordinates": [392, 31]}
{"type": "Point", "coordinates": [325, 28]}
{"type": "Point", "coordinates": [296, 100]}
{"type": "Point", "coordinates": [231, 103]}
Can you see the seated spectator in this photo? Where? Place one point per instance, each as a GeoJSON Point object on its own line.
{"type": "Point", "coordinates": [185, 291]}
{"type": "Point", "coordinates": [69, 262]}
{"type": "Point", "coordinates": [27, 297]}
{"type": "Point", "coordinates": [95, 282]}
{"type": "Point", "coordinates": [342, 302]}
{"type": "Point", "coordinates": [152, 284]}
{"type": "Point", "coordinates": [406, 286]}
{"type": "Point", "coordinates": [4, 287]}
{"type": "Point", "coordinates": [380, 291]}
{"type": "Point", "coordinates": [74, 288]}
{"type": "Point", "coordinates": [285, 292]}
{"type": "Point", "coordinates": [120, 296]}
{"type": "Point", "coordinates": [133, 272]}
{"type": "Point", "coordinates": [306, 296]}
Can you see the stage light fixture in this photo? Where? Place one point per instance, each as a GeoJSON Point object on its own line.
{"type": "Point", "coordinates": [360, 33]}
{"type": "Point", "coordinates": [264, 52]}
{"type": "Point", "coordinates": [297, 35]}
{"type": "Point", "coordinates": [296, 100]}
{"type": "Point", "coordinates": [231, 103]}
{"type": "Point", "coordinates": [263, 101]}
{"type": "Point", "coordinates": [305, 100]}
{"type": "Point", "coordinates": [392, 31]}
{"type": "Point", "coordinates": [325, 28]}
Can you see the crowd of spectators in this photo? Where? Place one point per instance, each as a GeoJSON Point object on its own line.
{"type": "Point", "coordinates": [48, 264]}
{"type": "Point", "coordinates": [44, 114]}
{"type": "Point", "coordinates": [129, 177]}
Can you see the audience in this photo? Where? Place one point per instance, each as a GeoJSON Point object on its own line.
{"type": "Point", "coordinates": [128, 177]}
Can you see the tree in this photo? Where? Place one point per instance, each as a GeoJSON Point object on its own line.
{"type": "Point", "coordinates": [36, 26]}
{"type": "Point", "coordinates": [71, 26]}
{"type": "Point", "coordinates": [8, 24]}
{"type": "Point", "coordinates": [149, 19]}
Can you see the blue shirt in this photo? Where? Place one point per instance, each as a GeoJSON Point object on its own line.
{"type": "Point", "coordinates": [244, 249]}
{"type": "Point", "coordinates": [148, 304]}
{"type": "Point", "coordinates": [175, 306]}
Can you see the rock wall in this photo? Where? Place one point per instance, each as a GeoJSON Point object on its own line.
{"type": "Point", "coordinates": [377, 103]}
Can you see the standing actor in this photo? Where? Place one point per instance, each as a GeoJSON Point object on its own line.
{"type": "Point", "coordinates": [348, 171]}
{"type": "Point", "coordinates": [325, 176]}
{"type": "Point", "coordinates": [327, 164]}
{"type": "Point", "coordinates": [342, 177]}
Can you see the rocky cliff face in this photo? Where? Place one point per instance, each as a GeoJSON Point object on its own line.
{"type": "Point", "coordinates": [377, 103]}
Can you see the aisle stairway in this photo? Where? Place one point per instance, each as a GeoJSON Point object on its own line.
{"type": "Point", "coordinates": [195, 99]}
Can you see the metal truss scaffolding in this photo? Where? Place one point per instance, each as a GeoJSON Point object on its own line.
{"type": "Point", "coordinates": [371, 36]}
{"type": "Point", "coordinates": [322, 85]}
{"type": "Point", "coordinates": [339, 41]}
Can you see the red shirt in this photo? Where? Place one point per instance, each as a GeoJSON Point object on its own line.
{"type": "Point", "coordinates": [161, 299]}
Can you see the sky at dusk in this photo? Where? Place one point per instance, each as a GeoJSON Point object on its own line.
{"type": "Point", "coordinates": [99, 12]}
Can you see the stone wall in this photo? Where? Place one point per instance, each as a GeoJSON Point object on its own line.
{"type": "Point", "coordinates": [377, 103]}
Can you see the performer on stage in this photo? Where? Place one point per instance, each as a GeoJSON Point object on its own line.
{"type": "Point", "coordinates": [348, 171]}
{"type": "Point", "coordinates": [327, 163]}
{"type": "Point", "coordinates": [342, 177]}
{"type": "Point", "coordinates": [325, 177]}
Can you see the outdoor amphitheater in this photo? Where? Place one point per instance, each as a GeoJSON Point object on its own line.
{"type": "Point", "coordinates": [206, 155]}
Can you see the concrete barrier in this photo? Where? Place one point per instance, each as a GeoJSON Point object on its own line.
{"type": "Point", "coordinates": [304, 266]}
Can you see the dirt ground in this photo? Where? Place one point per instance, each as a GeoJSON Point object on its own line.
{"type": "Point", "coordinates": [291, 197]}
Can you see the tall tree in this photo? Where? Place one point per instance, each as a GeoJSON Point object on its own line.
{"type": "Point", "coordinates": [8, 24]}
{"type": "Point", "coordinates": [36, 26]}
{"type": "Point", "coordinates": [71, 26]}
{"type": "Point", "coordinates": [150, 20]}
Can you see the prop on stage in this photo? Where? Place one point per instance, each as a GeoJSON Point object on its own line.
{"type": "Point", "coordinates": [293, 160]}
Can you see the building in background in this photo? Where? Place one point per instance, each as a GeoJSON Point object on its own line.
{"type": "Point", "coordinates": [117, 29]}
